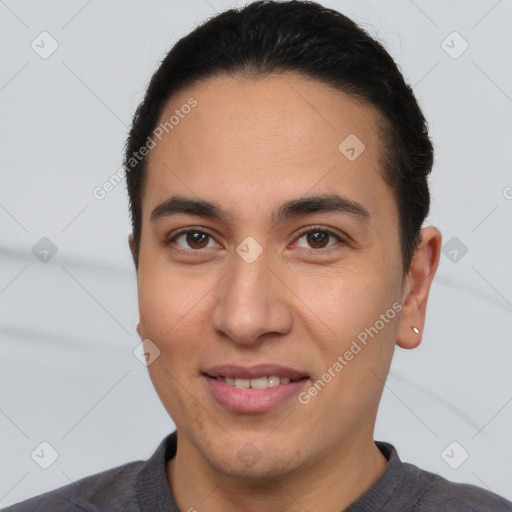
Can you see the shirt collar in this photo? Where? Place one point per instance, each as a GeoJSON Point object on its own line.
{"type": "Point", "coordinates": [154, 494]}
{"type": "Point", "coordinates": [152, 487]}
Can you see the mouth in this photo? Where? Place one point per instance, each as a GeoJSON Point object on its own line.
{"type": "Point", "coordinates": [253, 389]}
{"type": "Point", "coordinates": [263, 382]}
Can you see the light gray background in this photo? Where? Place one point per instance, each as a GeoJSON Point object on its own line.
{"type": "Point", "coordinates": [68, 374]}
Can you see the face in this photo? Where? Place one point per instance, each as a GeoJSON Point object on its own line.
{"type": "Point", "coordinates": [294, 289]}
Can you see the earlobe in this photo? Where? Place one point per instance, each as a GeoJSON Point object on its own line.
{"type": "Point", "coordinates": [417, 287]}
{"type": "Point", "coordinates": [412, 341]}
{"type": "Point", "coordinates": [139, 330]}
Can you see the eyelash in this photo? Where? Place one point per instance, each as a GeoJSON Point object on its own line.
{"type": "Point", "coordinates": [305, 231]}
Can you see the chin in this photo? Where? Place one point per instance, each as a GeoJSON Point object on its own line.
{"type": "Point", "coordinates": [264, 470]}
{"type": "Point", "coordinates": [260, 459]}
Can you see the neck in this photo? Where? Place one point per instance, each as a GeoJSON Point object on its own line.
{"type": "Point", "coordinates": [330, 484]}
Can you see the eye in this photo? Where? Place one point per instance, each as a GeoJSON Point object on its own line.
{"type": "Point", "coordinates": [316, 237]}
{"type": "Point", "coordinates": [193, 238]}
{"type": "Point", "coordinates": [319, 238]}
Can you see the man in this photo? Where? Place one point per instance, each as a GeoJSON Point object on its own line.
{"type": "Point", "coordinates": [277, 172]}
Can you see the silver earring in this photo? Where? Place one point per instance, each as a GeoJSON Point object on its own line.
{"type": "Point", "coordinates": [415, 329]}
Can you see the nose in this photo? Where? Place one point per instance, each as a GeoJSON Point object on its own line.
{"type": "Point", "coordinates": [251, 303]}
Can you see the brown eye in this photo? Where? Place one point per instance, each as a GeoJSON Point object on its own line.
{"type": "Point", "coordinates": [197, 240]}
{"type": "Point", "coordinates": [319, 238]}
{"type": "Point", "coordinates": [192, 239]}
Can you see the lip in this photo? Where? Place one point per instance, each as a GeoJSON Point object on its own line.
{"type": "Point", "coordinates": [253, 372]}
{"type": "Point", "coordinates": [248, 400]}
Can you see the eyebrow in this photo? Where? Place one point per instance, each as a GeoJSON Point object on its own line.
{"type": "Point", "coordinates": [294, 208]}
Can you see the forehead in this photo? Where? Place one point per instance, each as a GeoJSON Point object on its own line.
{"type": "Point", "coordinates": [256, 140]}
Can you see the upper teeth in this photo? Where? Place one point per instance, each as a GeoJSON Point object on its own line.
{"type": "Point", "coordinates": [259, 383]}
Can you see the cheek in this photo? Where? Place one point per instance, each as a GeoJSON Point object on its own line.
{"type": "Point", "coordinates": [367, 318]}
{"type": "Point", "coordinates": [354, 319]}
{"type": "Point", "coordinates": [339, 303]}
{"type": "Point", "coordinates": [166, 299]}
{"type": "Point", "coordinates": [168, 316]}
{"type": "Point", "coordinates": [169, 306]}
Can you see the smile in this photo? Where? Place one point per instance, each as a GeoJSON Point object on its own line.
{"type": "Point", "coordinates": [256, 395]}
{"type": "Point", "coordinates": [258, 383]}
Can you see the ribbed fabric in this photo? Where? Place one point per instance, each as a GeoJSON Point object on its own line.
{"type": "Point", "coordinates": [143, 487]}
{"type": "Point", "coordinates": [152, 488]}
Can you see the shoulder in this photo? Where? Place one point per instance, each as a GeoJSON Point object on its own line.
{"type": "Point", "coordinates": [94, 493]}
{"type": "Point", "coordinates": [438, 494]}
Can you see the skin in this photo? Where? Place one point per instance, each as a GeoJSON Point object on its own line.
{"type": "Point", "coordinates": [250, 145]}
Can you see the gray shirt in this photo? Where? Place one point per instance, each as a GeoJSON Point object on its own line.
{"type": "Point", "coordinates": [142, 486]}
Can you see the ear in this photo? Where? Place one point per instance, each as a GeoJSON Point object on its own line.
{"type": "Point", "coordinates": [133, 250]}
{"type": "Point", "coordinates": [139, 330]}
{"type": "Point", "coordinates": [417, 287]}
